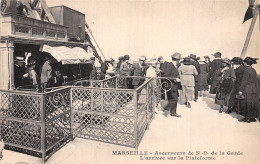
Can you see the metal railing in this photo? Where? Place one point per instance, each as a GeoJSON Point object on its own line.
{"type": "Point", "coordinates": [103, 110]}
{"type": "Point", "coordinates": [35, 123]}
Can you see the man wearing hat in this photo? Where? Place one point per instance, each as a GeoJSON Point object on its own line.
{"type": "Point", "coordinates": [214, 66]}
{"type": "Point", "coordinates": [19, 69]}
{"type": "Point", "coordinates": [138, 69]}
{"type": "Point", "coordinates": [172, 94]}
{"type": "Point", "coordinates": [195, 63]}
{"type": "Point", "coordinates": [239, 68]}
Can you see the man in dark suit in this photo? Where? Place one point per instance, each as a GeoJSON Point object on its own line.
{"type": "Point", "coordinates": [197, 66]}
{"type": "Point", "coordinates": [214, 66]}
{"type": "Point", "coordinates": [19, 69]}
{"type": "Point", "coordinates": [163, 70]}
{"type": "Point", "coordinates": [138, 69]}
{"type": "Point", "coordinates": [172, 94]}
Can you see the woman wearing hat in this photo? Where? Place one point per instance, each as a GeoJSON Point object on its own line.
{"type": "Point", "coordinates": [225, 86]}
{"type": "Point", "coordinates": [249, 89]}
{"type": "Point", "coordinates": [187, 73]}
{"type": "Point", "coordinates": [239, 68]}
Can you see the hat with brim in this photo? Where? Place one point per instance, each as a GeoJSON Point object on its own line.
{"type": "Point", "coordinates": [227, 61]}
{"type": "Point", "coordinates": [192, 56]}
{"type": "Point", "coordinates": [127, 57]}
{"type": "Point", "coordinates": [176, 55]}
{"type": "Point", "coordinates": [217, 54]}
{"type": "Point", "coordinates": [250, 60]}
{"type": "Point", "coordinates": [206, 57]}
{"type": "Point", "coordinates": [237, 60]}
{"type": "Point", "coordinates": [186, 61]}
{"type": "Point", "coordinates": [142, 58]}
{"type": "Point", "coordinates": [159, 58]}
{"type": "Point", "coordinates": [109, 60]}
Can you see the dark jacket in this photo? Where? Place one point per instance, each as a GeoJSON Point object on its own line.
{"type": "Point", "coordinates": [164, 68]}
{"type": "Point", "coordinates": [172, 72]}
{"type": "Point", "coordinates": [137, 71]}
{"type": "Point", "coordinates": [197, 66]}
{"type": "Point", "coordinates": [249, 83]}
{"type": "Point", "coordinates": [214, 66]}
{"type": "Point", "coordinates": [239, 74]}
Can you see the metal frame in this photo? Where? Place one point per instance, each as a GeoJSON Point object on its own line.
{"type": "Point", "coordinates": [103, 111]}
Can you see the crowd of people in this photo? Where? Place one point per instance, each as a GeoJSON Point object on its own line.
{"type": "Point", "coordinates": [234, 82]}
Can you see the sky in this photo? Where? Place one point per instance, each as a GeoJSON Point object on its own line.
{"type": "Point", "coordinates": [161, 27]}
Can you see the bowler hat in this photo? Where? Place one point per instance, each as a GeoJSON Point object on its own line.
{"type": "Point", "coordinates": [192, 56]}
{"type": "Point", "coordinates": [217, 54]}
{"type": "Point", "coordinates": [237, 60]}
{"type": "Point", "coordinates": [176, 55]}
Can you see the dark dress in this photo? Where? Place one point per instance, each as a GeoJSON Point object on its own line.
{"type": "Point", "coordinates": [202, 78]}
{"type": "Point", "coordinates": [214, 66]}
{"type": "Point", "coordinates": [249, 88]}
{"type": "Point", "coordinates": [196, 87]}
{"type": "Point", "coordinates": [233, 103]}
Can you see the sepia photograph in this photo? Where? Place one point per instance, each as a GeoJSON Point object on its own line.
{"type": "Point", "coordinates": [129, 81]}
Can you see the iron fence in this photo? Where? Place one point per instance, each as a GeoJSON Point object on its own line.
{"type": "Point", "coordinates": [103, 110]}
{"type": "Point", "coordinates": [35, 123]}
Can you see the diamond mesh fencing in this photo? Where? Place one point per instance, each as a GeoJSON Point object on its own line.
{"type": "Point", "coordinates": [35, 123]}
{"type": "Point", "coordinates": [103, 110]}
{"type": "Point", "coordinates": [104, 115]}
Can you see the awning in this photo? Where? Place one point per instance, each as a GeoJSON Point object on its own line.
{"type": "Point", "coordinates": [68, 55]}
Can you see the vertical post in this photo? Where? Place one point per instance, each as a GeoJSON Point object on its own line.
{"type": "Point", "coordinates": [147, 103]}
{"type": "Point", "coordinates": [116, 82]}
{"type": "Point", "coordinates": [249, 34]}
{"type": "Point", "coordinates": [11, 63]}
{"type": "Point", "coordinates": [135, 121]}
{"type": "Point", "coordinates": [43, 135]}
{"type": "Point", "coordinates": [71, 115]}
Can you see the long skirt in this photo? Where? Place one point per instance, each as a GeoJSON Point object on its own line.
{"type": "Point", "coordinates": [222, 98]}
{"type": "Point", "coordinates": [202, 82]}
{"type": "Point", "coordinates": [250, 105]}
{"type": "Point", "coordinates": [213, 87]}
{"type": "Point", "coordinates": [188, 93]}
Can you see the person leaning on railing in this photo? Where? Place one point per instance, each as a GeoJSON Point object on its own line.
{"type": "Point", "coordinates": [138, 69]}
